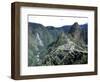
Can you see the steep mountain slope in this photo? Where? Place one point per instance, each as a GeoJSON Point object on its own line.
{"type": "Point", "coordinates": [38, 40]}
{"type": "Point", "coordinates": [66, 51]}
{"type": "Point", "coordinates": [56, 45]}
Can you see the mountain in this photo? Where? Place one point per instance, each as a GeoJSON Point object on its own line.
{"type": "Point", "coordinates": [38, 40]}
{"type": "Point", "coordinates": [75, 31]}
{"type": "Point", "coordinates": [49, 45]}
{"type": "Point", "coordinates": [84, 32]}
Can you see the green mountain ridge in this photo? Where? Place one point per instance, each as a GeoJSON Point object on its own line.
{"type": "Point", "coordinates": [65, 49]}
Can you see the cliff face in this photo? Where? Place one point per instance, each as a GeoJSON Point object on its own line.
{"type": "Point", "coordinates": [56, 45]}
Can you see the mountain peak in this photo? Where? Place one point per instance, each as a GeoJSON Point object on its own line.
{"type": "Point", "coordinates": [75, 27]}
{"type": "Point", "coordinates": [75, 31]}
{"type": "Point", "coordinates": [76, 23]}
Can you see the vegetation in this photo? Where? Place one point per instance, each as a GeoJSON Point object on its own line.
{"type": "Point", "coordinates": [57, 46]}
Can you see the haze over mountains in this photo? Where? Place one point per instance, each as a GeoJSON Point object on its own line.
{"type": "Point", "coordinates": [49, 45]}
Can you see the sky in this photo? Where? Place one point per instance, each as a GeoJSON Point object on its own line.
{"type": "Point", "coordinates": [56, 21]}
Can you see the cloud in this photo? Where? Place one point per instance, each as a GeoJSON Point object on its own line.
{"type": "Point", "coordinates": [57, 21]}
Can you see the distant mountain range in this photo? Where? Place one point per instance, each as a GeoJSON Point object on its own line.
{"type": "Point", "coordinates": [49, 45]}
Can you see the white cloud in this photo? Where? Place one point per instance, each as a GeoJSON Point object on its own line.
{"type": "Point", "coordinates": [56, 20]}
